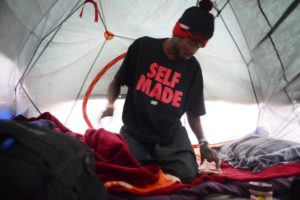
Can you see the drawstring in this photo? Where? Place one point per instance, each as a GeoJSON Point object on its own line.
{"type": "Point", "coordinates": [95, 6]}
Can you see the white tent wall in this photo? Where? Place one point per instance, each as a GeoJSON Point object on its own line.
{"type": "Point", "coordinates": [275, 69]}
{"type": "Point", "coordinates": [23, 25]}
{"type": "Point", "coordinates": [56, 54]}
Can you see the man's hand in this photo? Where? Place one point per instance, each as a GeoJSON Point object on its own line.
{"type": "Point", "coordinates": [108, 112]}
{"type": "Point", "coordinates": [209, 154]}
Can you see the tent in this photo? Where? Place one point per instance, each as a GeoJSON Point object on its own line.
{"type": "Point", "coordinates": [58, 56]}
{"type": "Point", "coordinates": [51, 51]}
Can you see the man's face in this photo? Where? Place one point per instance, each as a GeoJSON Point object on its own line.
{"type": "Point", "coordinates": [186, 48]}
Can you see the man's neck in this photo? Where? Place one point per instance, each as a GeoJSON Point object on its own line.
{"type": "Point", "coordinates": [168, 47]}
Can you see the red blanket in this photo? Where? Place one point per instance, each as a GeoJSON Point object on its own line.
{"type": "Point", "coordinates": [112, 156]}
{"type": "Point", "coordinates": [115, 163]}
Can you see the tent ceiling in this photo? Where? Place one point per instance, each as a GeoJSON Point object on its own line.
{"type": "Point", "coordinates": [58, 54]}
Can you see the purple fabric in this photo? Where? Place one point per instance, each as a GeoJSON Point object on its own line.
{"type": "Point", "coordinates": [281, 186]}
{"type": "Point", "coordinates": [207, 187]}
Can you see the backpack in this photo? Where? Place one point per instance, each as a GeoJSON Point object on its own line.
{"type": "Point", "coordinates": [295, 189]}
{"type": "Point", "coordinates": [39, 164]}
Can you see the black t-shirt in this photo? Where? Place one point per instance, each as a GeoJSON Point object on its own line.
{"type": "Point", "coordinates": [160, 90]}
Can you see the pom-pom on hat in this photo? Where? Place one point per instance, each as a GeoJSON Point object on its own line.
{"type": "Point", "coordinates": [196, 23]}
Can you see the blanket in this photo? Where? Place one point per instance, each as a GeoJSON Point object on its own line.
{"type": "Point", "coordinates": [121, 173]}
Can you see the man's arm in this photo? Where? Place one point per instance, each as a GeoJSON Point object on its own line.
{"type": "Point", "coordinates": [195, 124]}
{"type": "Point", "coordinates": [112, 94]}
{"type": "Point", "coordinates": [205, 151]}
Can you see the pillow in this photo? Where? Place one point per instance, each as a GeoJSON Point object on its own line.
{"type": "Point", "coordinates": [257, 152]}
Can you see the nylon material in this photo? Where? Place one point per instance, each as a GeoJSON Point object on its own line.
{"type": "Point", "coordinates": [114, 47]}
{"type": "Point", "coordinates": [270, 83]}
{"type": "Point", "coordinates": [224, 41]}
{"type": "Point", "coordinates": [293, 89]}
{"type": "Point", "coordinates": [287, 41]}
{"type": "Point", "coordinates": [63, 53]}
{"type": "Point", "coordinates": [36, 21]}
{"type": "Point", "coordinates": [59, 56]}
{"type": "Point", "coordinates": [74, 41]}
{"type": "Point", "coordinates": [23, 105]}
{"type": "Point", "coordinates": [13, 36]}
{"type": "Point", "coordinates": [79, 32]}
{"type": "Point", "coordinates": [75, 34]}
{"type": "Point", "coordinates": [6, 79]}
{"type": "Point", "coordinates": [252, 21]}
{"type": "Point", "coordinates": [270, 77]}
{"type": "Point", "coordinates": [55, 81]}
{"type": "Point", "coordinates": [257, 83]}
{"type": "Point", "coordinates": [281, 121]}
{"type": "Point", "coordinates": [297, 111]}
{"type": "Point", "coordinates": [105, 57]}
{"type": "Point", "coordinates": [63, 87]}
{"type": "Point", "coordinates": [293, 70]}
{"type": "Point", "coordinates": [56, 16]}
{"type": "Point", "coordinates": [231, 83]}
{"type": "Point", "coordinates": [268, 65]}
{"type": "Point", "coordinates": [268, 89]}
{"type": "Point", "coordinates": [221, 4]}
{"type": "Point", "coordinates": [290, 133]}
{"type": "Point", "coordinates": [21, 12]}
{"type": "Point", "coordinates": [26, 54]}
{"type": "Point", "coordinates": [274, 9]}
{"type": "Point", "coordinates": [54, 66]}
{"type": "Point", "coordinates": [234, 28]}
{"type": "Point", "coordinates": [232, 73]}
{"type": "Point", "coordinates": [33, 44]}
{"type": "Point", "coordinates": [272, 116]}
{"type": "Point", "coordinates": [66, 84]}
{"type": "Point", "coordinates": [157, 20]}
{"type": "Point", "coordinates": [271, 89]}
{"type": "Point", "coordinates": [12, 33]}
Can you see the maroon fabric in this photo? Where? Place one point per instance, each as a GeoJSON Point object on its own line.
{"type": "Point", "coordinates": [59, 126]}
{"type": "Point", "coordinates": [50, 117]}
{"type": "Point", "coordinates": [114, 161]}
{"type": "Point", "coordinates": [276, 171]}
{"type": "Point", "coordinates": [112, 156]}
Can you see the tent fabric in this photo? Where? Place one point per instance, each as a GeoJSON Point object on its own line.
{"type": "Point", "coordinates": [49, 55]}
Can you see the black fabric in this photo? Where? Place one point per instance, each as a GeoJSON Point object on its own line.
{"type": "Point", "coordinates": [198, 21]}
{"type": "Point", "coordinates": [151, 77]}
{"type": "Point", "coordinates": [295, 189]}
{"type": "Point", "coordinates": [41, 165]}
{"type": "Point", "coordinates": [176, 158]}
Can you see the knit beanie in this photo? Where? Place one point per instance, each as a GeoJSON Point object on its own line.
{"type": "Point", "coordinates": [196, 23]}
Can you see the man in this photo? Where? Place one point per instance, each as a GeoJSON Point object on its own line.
{"type": "Point", "coordinates": [165, 81]}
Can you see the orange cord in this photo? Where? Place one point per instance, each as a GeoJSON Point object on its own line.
{"type": "Point", "coordinates": [92, 85]}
